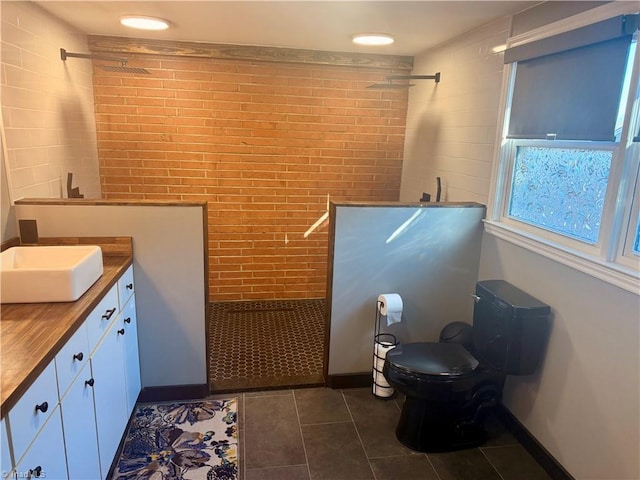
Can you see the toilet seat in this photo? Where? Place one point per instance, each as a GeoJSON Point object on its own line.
{"type": "Point", "coordinates": [438, 359]}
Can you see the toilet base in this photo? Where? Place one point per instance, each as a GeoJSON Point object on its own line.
{"type": "Point", "coordinates": [427, 426]}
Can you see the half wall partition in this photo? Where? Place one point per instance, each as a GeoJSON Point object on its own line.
{"type": "Point", "coordinates": [428, 253]}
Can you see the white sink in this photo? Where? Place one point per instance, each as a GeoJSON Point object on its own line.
{"type": "Point", "coordinates": [48, 273]}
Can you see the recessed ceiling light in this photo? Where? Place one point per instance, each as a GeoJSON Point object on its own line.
{"type": "Point", "coordinates": [144, 23]}
{"type": "Point", "coordinates": [373, 39]}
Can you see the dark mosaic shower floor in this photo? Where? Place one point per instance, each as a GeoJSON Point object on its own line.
{"type": "Point", "coordinates": [267, 343]}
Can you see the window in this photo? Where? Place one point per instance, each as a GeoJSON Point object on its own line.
{"type": "Point", "coordinates": [560, 189]}
{"type": "Point", "coordinates": [568, 176]}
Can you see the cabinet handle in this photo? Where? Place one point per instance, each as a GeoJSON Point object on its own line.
{"type": "Point", "coordinates": [121, 331]}
{"type": "Point", "coordinates": [36, 472]}
{"type": "Point", "coordinates": [129, 286]}
{"type": "Point", "coordinates": [43, 407]}
{"type": "Point", "coordinates": [78, 356]}
{"type": "Point", "coordinates": [89, 382]}
{"type": "Point", "coordinates": [127, 320]}
{"type": "Point", "coordinates": [108, 314]}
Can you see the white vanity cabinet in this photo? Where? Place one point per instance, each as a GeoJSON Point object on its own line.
{"type": "Point", "coordinates": [126, 287]}
{"type": "Point", "coordinates": [32, 410]}
{"type": "Point", "coordinates": [5, 455]}
{"type": "Point", "coordinates": [102, 317]}
{"type": "Point", "coordinates": [76, 405]}
{"type": "Point", "coordinates": [69, 422]}
{"type": "Point", "coordinates": [129, 327]}
{"type": "Point", "coordinates": [73, 356]}
{"type": "Point", "coordinates": [109, 394]}
{"type": "Point", "coordinates": [36, 430]}
{"type": "Point", "coordinates": [115, 368]}
{"type": "Point", "coordinates": [45, 458]}
{"type": "Point", "coordinates": [80, 436]}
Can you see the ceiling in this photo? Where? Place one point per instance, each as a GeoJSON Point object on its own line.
{"type": "Point", "coordinates": [316, 25]}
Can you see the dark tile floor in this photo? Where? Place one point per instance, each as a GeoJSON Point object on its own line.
{"type": "Point", "coordinates": [324, 434]}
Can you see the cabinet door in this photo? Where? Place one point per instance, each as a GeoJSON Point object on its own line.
{"type": "Point", "coordinates": [5, 463]}
{"type": "Point", "coordinates": [131, 358]}
{"type": "Point", "coordinates": [109, 394]}
{"type": "Point", "coordinates": [79, 427]}
{"type": "Point", "coordinates": [45, 457]}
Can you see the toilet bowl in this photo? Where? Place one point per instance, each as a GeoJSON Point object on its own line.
{"type": "Point", "coordinates": [450, 388]}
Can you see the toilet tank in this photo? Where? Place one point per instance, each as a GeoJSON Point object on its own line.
{"type": "Point", "coordinates": [510, 328]}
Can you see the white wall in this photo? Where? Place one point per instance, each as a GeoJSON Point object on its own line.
{"type": "Point", "coordinates": [451, 126]}
{"type": "Point", "coordinates": [47, 105]}
{"type": "Point", "coordinates": [584, 403]}
{"type": "Point", "coordinates": [168, 254]}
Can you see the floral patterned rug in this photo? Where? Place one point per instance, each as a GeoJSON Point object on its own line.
{"type": "Point", "coordinates": [181, 441]}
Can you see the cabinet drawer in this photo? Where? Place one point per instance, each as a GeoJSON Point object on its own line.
{"type": "Point", "coordinates": [33, 409]}
{"type": "Point", "coordinates": [71, 358]}
{"type": "Point", "coordinates": [126, 286]}
{"type": "Point", "coordinates": [102, 317]}
{"type": "Point", "coordinates": [46, 454]}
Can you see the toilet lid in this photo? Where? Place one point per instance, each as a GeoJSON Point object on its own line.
{"type": "Point", "coordinates": [446, 359]}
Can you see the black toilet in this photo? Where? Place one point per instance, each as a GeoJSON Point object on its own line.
{"type": "Point", "coordinates": [451, 388]}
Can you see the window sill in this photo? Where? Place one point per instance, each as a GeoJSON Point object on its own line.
{"type": "Point", "coordinates": [615, 274]}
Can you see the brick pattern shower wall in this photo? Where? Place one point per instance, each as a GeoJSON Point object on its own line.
{"type": "Point", "coordinates": [263, 143]}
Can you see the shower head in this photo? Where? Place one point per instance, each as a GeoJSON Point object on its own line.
{"type": "Point", "coordinates": [391, 86]}
{"type": "Point", "coordinates": [399, 86]}
{"type": "Point", "coordinates": [123, 69]}
{"type": "Point", "coordinates": [109, 68]}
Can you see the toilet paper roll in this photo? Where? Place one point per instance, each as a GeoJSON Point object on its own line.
{"type": "Point", "coordinates": [381, 387]}
{"type": "Point", "coordinates": [380, 383]}
{"type": "Point", "coordinates": [382, 348]}
{"type": "Point", "coordinates": [379, 365]}
{"type": "Point", "coordinates": [380, 355]}
{"type": "Point", "coordinates": [390, 305]}
{"type": "Point", "coordinates": [380, 390]}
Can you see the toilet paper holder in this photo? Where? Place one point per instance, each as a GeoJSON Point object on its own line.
{"type": "Point", "coordinates": [382, 343]}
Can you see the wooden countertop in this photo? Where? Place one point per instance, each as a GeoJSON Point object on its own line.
{"type": "Point", "coordinates": [31, 334]}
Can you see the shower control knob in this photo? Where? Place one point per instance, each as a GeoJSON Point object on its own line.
{"type": "Point", "coordinates": [476, 298]}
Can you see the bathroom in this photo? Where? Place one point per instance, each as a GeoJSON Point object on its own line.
{"type": "Point", "coordinates": [582, 406]}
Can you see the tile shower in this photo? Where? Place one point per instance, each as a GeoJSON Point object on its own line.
{"type": "Point", "coordinates": [266, 344]}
